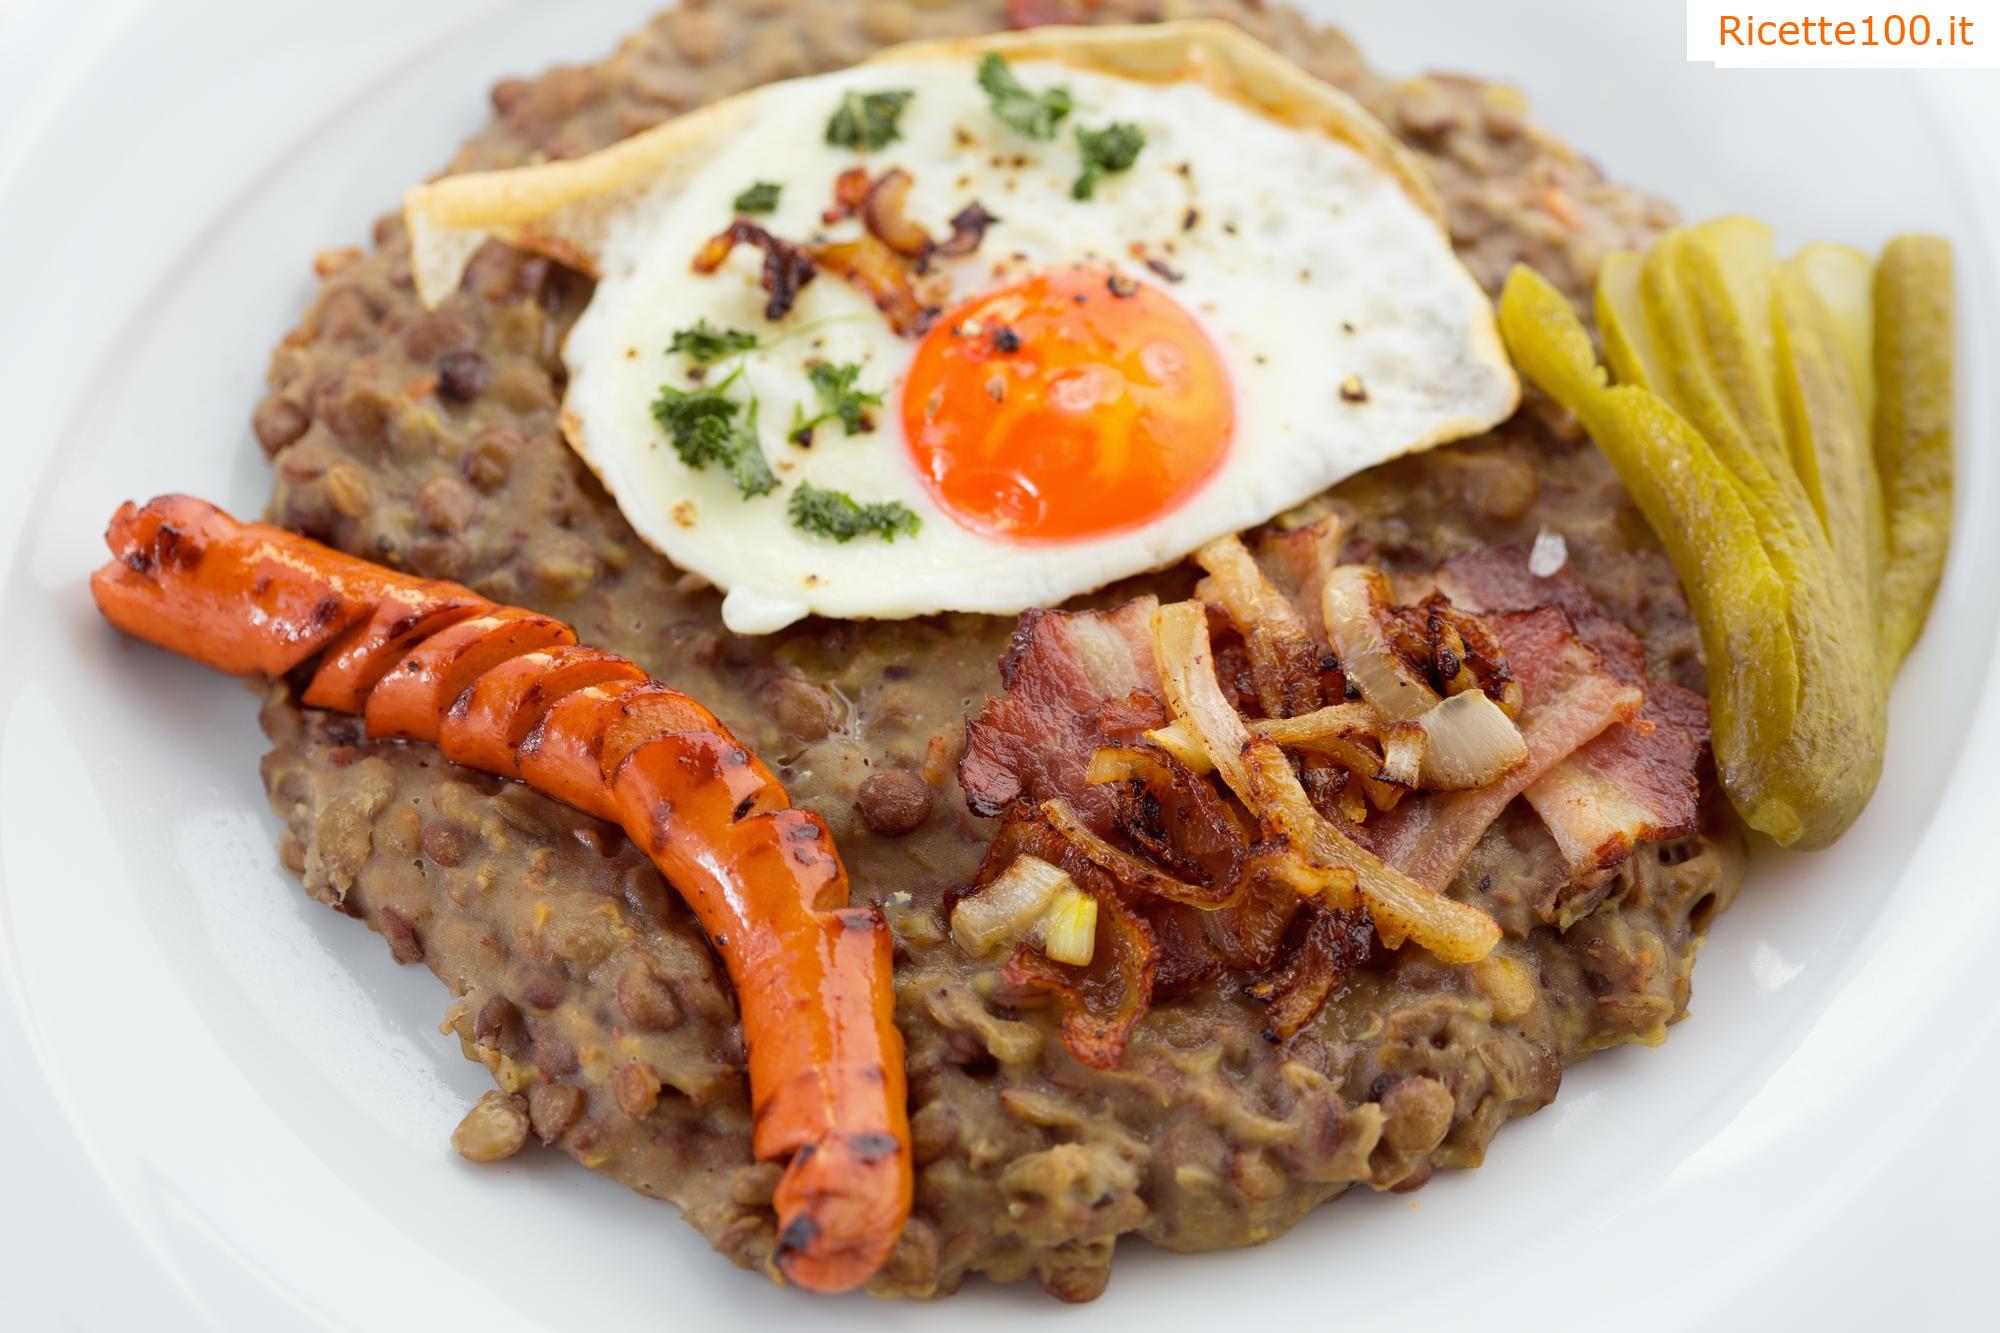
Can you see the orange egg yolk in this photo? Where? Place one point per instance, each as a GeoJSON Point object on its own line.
{"type": "Point", "coordinates": [1071, 405]}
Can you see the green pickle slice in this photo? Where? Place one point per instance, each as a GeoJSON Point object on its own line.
{"type": "Point", "coordinates": [1701, 291]}
{"type": "Point", "coordinates": [1695, 506]}
{"type": "Point", "coordinates": [1843, 278]}
{"type": "Point", "coordinates": [1786, 429]}
{"type": "Point", "coordinates": [1831, 435]}
{"type": "Point", "coordinates": [1913, 410]}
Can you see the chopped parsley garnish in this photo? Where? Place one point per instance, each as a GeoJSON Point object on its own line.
{"type": "Point", "coordinates": [761, 197]}
{"type": "Point", "coordinates": [1113, 148]}
{"type": "Point", "coordinates": [838, 515]}
{"type": "Point", "coordinates": [705, 428]}
{"type": "Point", "coordinates": [1034, 114]}
{"type": "Point", "coordinates": [839, 398]}
{"type": "Point", "coordinates": [705, 344]}
{"type": "Point", "coordinates": [867, 120]}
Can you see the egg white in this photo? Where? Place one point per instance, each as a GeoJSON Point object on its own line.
{"type": "Point", "coordinates": [1308, 267]}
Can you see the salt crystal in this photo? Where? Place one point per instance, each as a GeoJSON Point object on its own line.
{"type": "Point", "coordinates": [1550, 554]}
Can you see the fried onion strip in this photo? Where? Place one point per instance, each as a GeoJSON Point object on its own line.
{"type": "Point", "coordinates": [1262, 777]}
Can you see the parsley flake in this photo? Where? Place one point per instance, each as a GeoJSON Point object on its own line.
{"type": "Point", "coordinates": [705, 428]}
{"type": "Point", "coordinates": [1113, 148]}
{"type": "Point", "coordinates": [762, 197]}
{"type": "Point", "coordinates": [838, 515]}
{"type": "Point", "coordinates": [839, 398]}
{"type": "Point", "coordinates": [867, 120]}
{"type": "Point", "coordinates": [705, 344]}
{"type": "Point", "coordinates": [1034, 114]}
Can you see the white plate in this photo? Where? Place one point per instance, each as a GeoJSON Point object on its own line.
{"type": "Point", "coordinates": [222, 1106]}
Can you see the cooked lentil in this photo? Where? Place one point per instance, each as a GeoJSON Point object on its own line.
{"type": "Point", "coordinates": [429, 440]}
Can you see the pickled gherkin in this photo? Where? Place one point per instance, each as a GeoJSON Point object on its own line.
{"type": "Point", "coordinates": [1695, 506]}
{"type": "Point", "coordinates": [1835, 450]}
{"type": "Point", "coordinates": [1843, 278]}
{"type": "Point", "coordinates": [1785, 428]}
{"type": "Point", "coordinates": [1912, 357]}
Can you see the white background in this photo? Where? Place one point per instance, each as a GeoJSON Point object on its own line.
{"type": "Point", "coordinates": [220, 1107]}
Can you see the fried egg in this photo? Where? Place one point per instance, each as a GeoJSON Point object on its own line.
{"type": "Point", "coordinates": [1261, 302]}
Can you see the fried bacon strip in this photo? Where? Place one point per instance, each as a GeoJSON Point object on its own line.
{"type": "Point", "coordinates": [510, 692]}
{"type": "Point", "coordinates": [1497, 578]}
{"type": "Point", "coordinates": [1074, 681]}
{"type": "Point", "coordinates": [1297, 562]}
{"type": "Point", "coordinates": [1636, 782]}
{"type": "Point", "coordinates": [1568, 698]}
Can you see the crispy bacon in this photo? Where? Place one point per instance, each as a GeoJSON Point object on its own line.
{"type": "Point", "coordinates": [1296, 562]}
{"type": "Point", "coordinates": [1568, 698]}
{"type": "Point", "coordinates": [1496, 578]}
{"type": "Point", "coordinates": [1636, 782]}
{"type": "Point", "coordinates": [1632, 784]}
{"type": "Point", "coordinates": [787, 268]}
{"type": "Point", "coordinates": [1075, 681]}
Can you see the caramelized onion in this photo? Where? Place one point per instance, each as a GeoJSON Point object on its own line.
{"type": "Point", "coordinates": [1131, 871]}
{"type": "Point", "coordinates": [1262, 777]}
{"type": "Point", "coordinates": [1345, 733]}
{"type": "Point", "coordinates": [850, 187]}
{"type": "Point", "coordinates": [882, 213]}
{"type": "Point", "coordinates": [1169, 813]}
{"type": "Point", "coordinates": [1481, 662]}
{"type": "Point", "coordinates": [1471, 742]}
{"type": "Point", "coordinates": [1099, 1004]}
{"type": "Point", "coordinates": [1284, 661]}
{"type": "Point", "coordinates": [1004, 912]}
{"type": "Point", "coordinates": [1334, 943]}
{"type": "Point", "coordinates": [1403, 745]}
{"type": "Point", "coordinates": [1355, 604]}
{"type": "Point", "coordinates": [968, 229]}
{"type": "Point", "coordinates": [787, 268]}
{"type": "Point", "coordinates": [885, 275]}
{"type": "Point", "coordinates": [1329, 730]}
